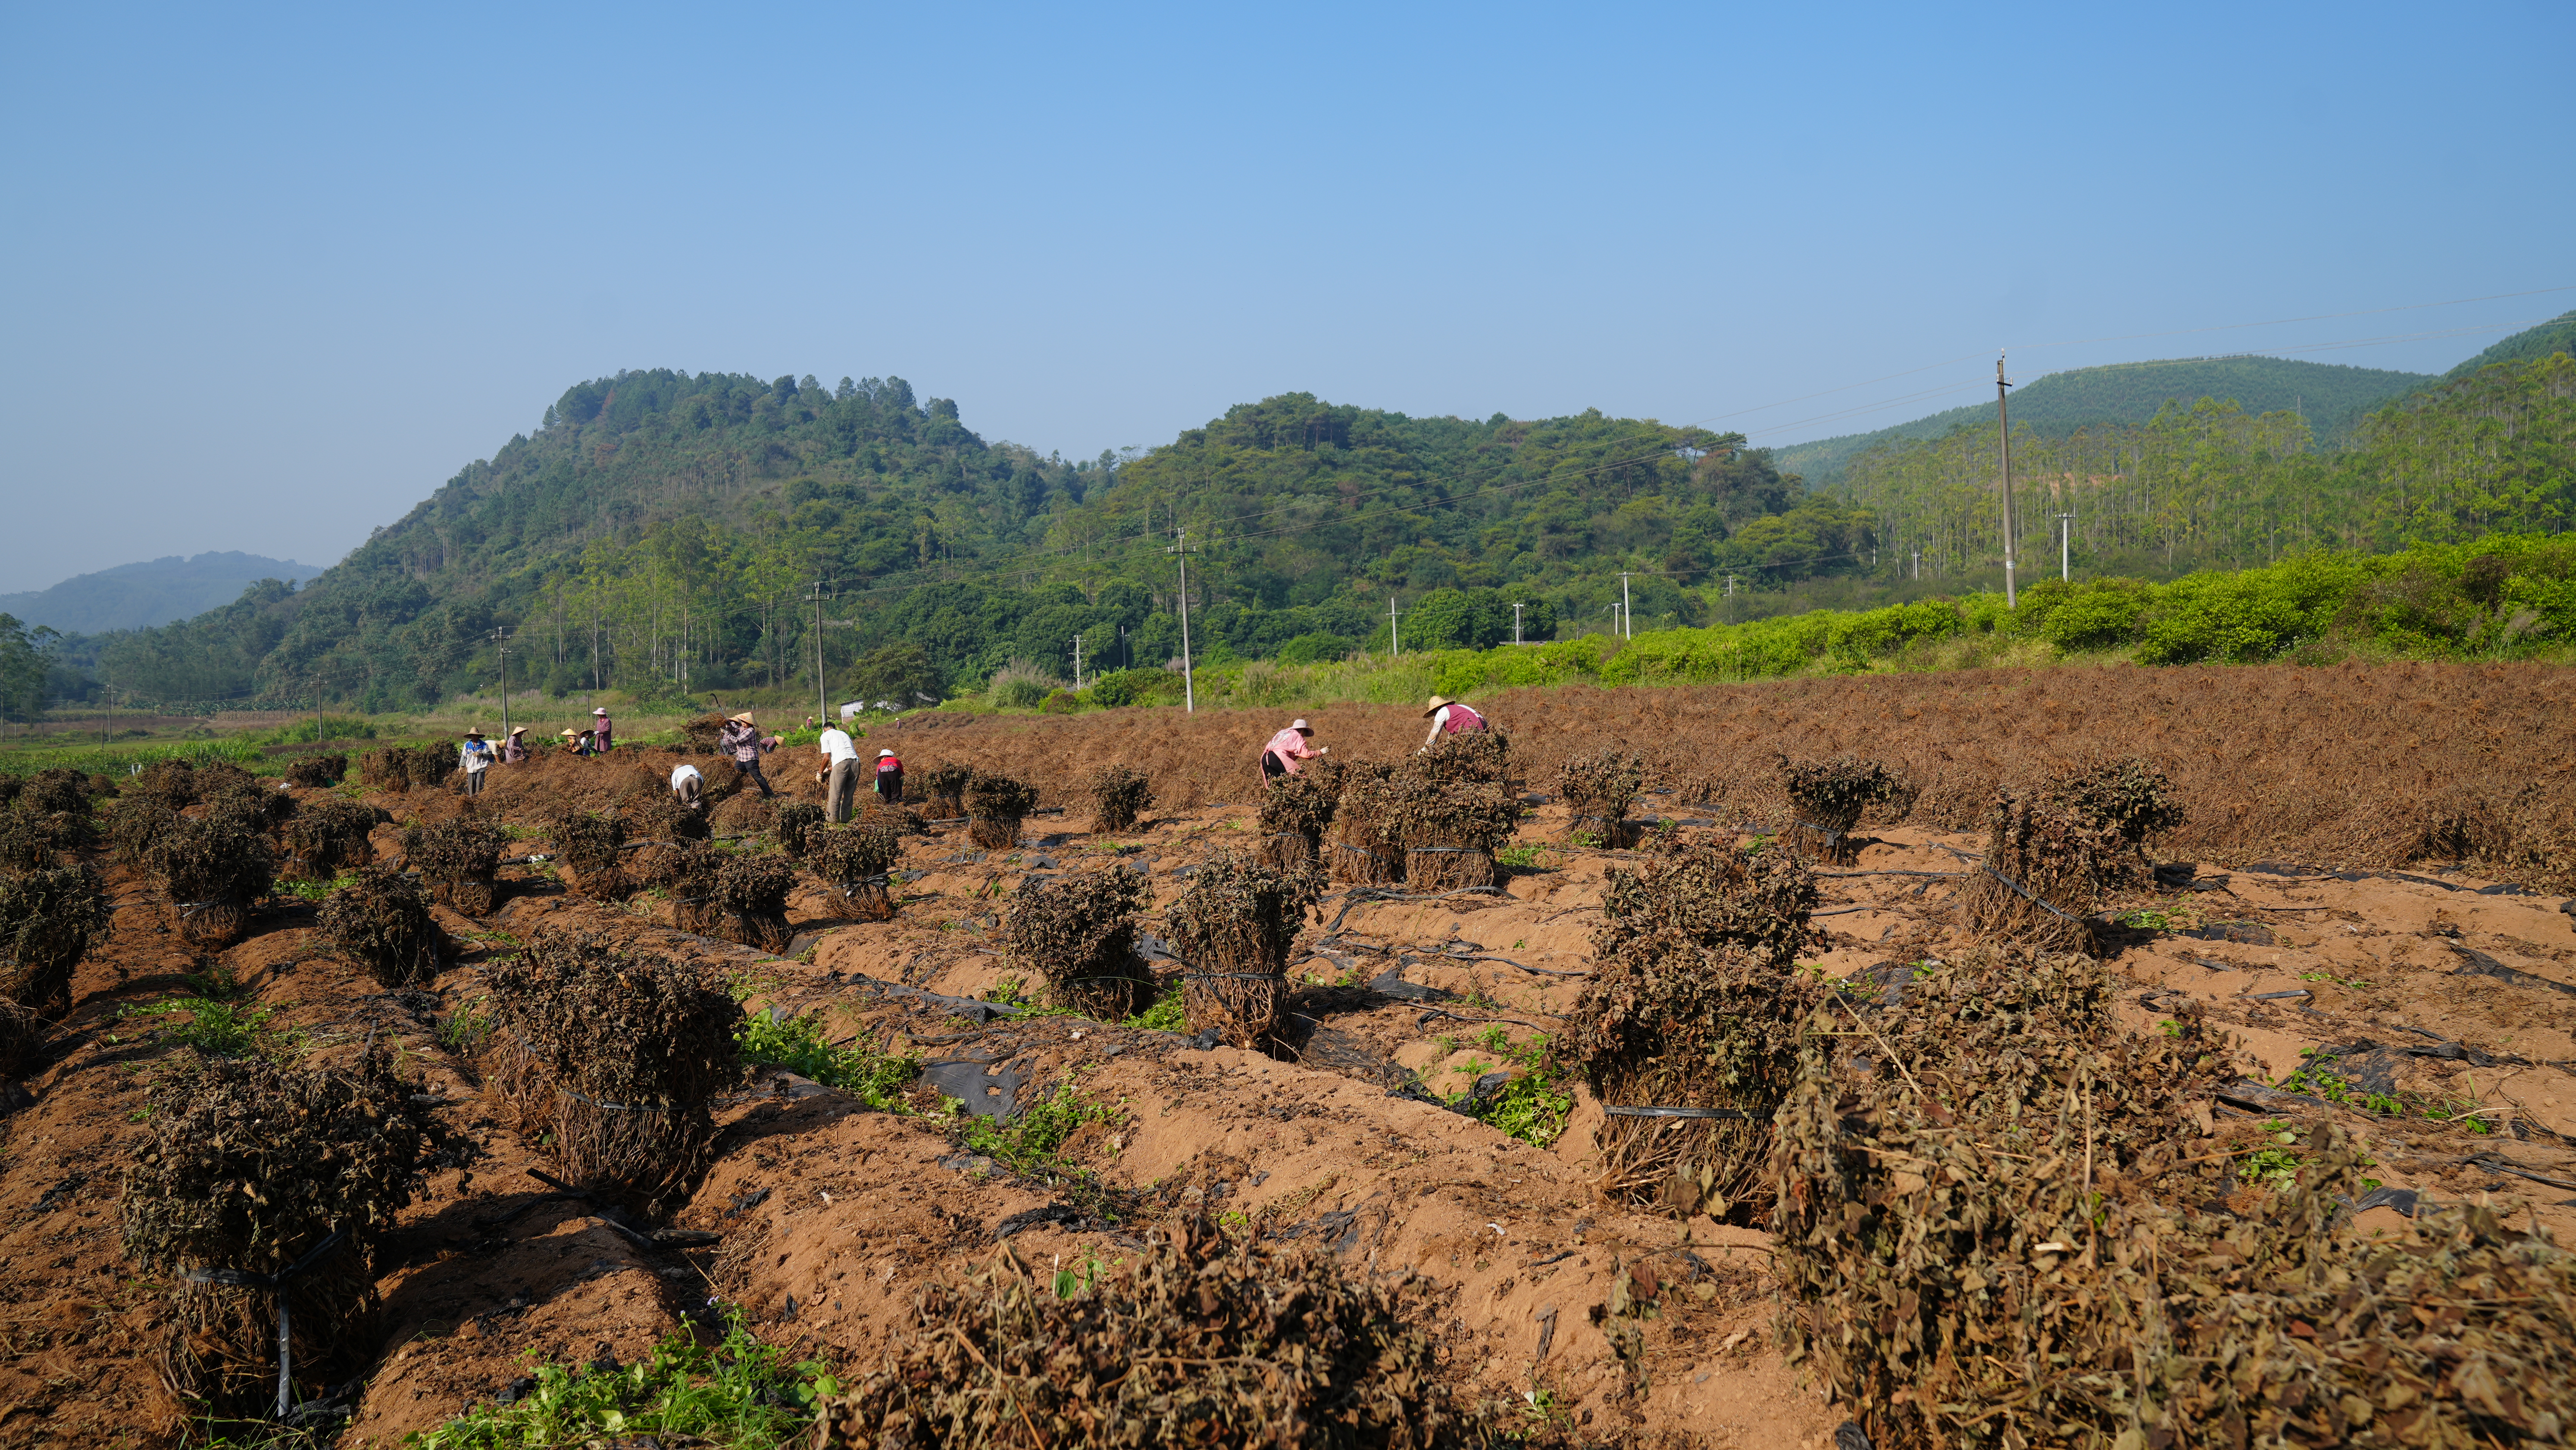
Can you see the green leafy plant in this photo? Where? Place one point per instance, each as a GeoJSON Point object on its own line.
{"type": "Point", "coordinates": [1028, 1145]}
{"type": "Point", "coordinates": [1524, 856]}
{"type": "Point", "coordinates": [2145, 920]}
{"type": "Point", "coordinates": [1170, 1013]}
{"type": "Point", "coordinates": [219, 1028]}
{"type": "Point", "coordinates": [799, 1045]}
{"type": "Point", "coordinates": [740, 1393]}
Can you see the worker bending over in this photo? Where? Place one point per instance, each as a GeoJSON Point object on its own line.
{"type": "Point", "coordinates": [841, 772]}
{"type": "Point", "coordinates": [686, 786]}
{"type": "Point", "coordinates": [889, 779]}
{"type": "Point", "coordinates": [1286, 748]}
{"type": "Point", "coordinates": [1451, 717]}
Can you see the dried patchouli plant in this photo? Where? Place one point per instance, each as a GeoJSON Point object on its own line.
{"type": "Point", "coordinates": [1196, 1340]}
{"type": "Point", "coordinates": [211, 870]}
{"type": "Point", "coordinates": [945, 784]}
{"type": "Point", "coordinates": [995, 806]}
{"type": "Point", "coordinates": [1598, 790]}
{"type": "Point", "coordinates": [1233, 927]}
{"type": "Point", "coordinates": [251, 1166]}
{"type": "Point", "coordinates": [610, 1059]}
{"type": "Point", "coordinates": [1296, 810]}
{"type": "Point", "coordinates": [460, 858]}
{"type": "Point", "coordinates": [2044, 875]}
{"type": "Point", "coordinates": [49, 919]}
{"type": "Point", "coordinates": [857, 861]}
{"type": "Point", "coordinates": [1831, 796]}
{"type": "Point", "coordinates": [382, 918]}
{"type": "Point", "coordinates": [1119, 794]}
{"type": "Point", "coordinates": [1080, 934]}
{"type": "Point", "coordinates": [331, 836]}
{"type": "Point", "coordinates": [735, 896]}
{"type": "Point", "coordinates": [590, 853]}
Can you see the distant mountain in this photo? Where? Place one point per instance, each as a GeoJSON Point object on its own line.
{"type": "Point", "coordinates": [2333, 398]}
{"type": "Point", "coordinates": [2555, 335]}
{"type": "Point", "coordinates": [137, 596]}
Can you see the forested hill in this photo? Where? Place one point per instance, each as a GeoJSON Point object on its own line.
{"type": "Point", "coordinates": [2556, 335]}
{"type": "Point", "coordinates": [2331, 398]}
{"type": "Point", "coordinates": [664, 530]}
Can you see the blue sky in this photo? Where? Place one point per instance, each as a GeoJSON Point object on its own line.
{"type": "Point", "coordinates": [271, 275]}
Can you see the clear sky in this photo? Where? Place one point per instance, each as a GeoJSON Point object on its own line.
{"type": "Point", "coordinates": [271, 275]}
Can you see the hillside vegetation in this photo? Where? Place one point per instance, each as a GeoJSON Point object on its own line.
{"type": "Point", "coordinates": [667, 535]}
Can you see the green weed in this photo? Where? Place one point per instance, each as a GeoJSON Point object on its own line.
{"type": "Point", "coordinates": [1524, 857]}
{"type": "Point", "coordinates": [1029, 1144]}
{"type": "Point", "coordinates": [798, 1044]}
{"type": "Point", "coordinates": [741, 1393]}
{"type": "Point", "coordinates": [220, 1029]}
{"type": "Point", "coordinates": [2144, 920]}
{"type": "Point", "coordinates": [1169, 1013]}
{"type": "Point", "coordinates": [464, 1033]}
{"type": "Point", "coordinates": [1532, 1107]}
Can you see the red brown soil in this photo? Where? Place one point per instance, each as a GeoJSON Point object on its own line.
{"type": "Point", "coordinates": [832, 1215]}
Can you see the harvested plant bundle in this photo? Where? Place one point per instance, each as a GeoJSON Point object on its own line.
{"type": "Point", "coordinates": [328, 837]}
{"type": "Point", "coordinates": [24, 845]}
{"type": "Point", "coordinates": [703, 732]}
{"type": "Point", "coordinates": [1364, 850]}
{"type": "Point", "coordinates": [2007, 1228]}
{"type": "Point", "coordinates": [1480, 757]}
{"type": "Point", "coordinates": [590, 850]}
{"type": "Point", "coordinates": [1831, 795]}
{"type": "Point", "coordinates": [1233, 927]}
{"type": "Point", "coordinates": [22, 1039]}
{"type": "Point", "coordinates": [1295, 811]}
{"type": "Point", "coordinates": [210, 869]}
{"type": "Point", "coordinates": [1598, 789]}
{"type": "Point", "coordinates": [1080, 934]}
{"type": "Point", "coordinates": [382, 918]}
{"type": "Point", "coordinates": [57, 790]}
{"type": "Point", "coordinates": [797, 822]}
{"type": "Point", "coordinates": [1448, 831]}
{"type": "Point", "coordinates": [432, 764]}
{"type": "Point", "coordinates": [1118, 796]}
{"type": "Point", "coordinates": [995, 806]}
{"type": "Point", "coordinates": [946, 783]}
{"type": "Point", "coordinates": [2044, 874]}
{"type": "Point", "coordinates": [317, 771]}
{"type": "Point", "coordinates": [744, 813]}
{"type": "Point", "coordinates": [660, 818]}
{"type": "Point", "coordinates": [460, 859]}
{"type": "Point", "coordinates": [854, 861]}
{"type": "Point", "coordinates": [610, 1060]}
{"type": "Point", "coordinates": [2130, 797]}
{"type": "Point", "coordinates": [251, 1167]}
{"type": "Point", "coordinates": [735, 895]}
{"type": "Point", "coordinates": [172, 782]}
{"type": "Point", "coordinates": [1714, 895]}
{"type": "Point", "coordinates": [1695, 1009]}
{"type": "Point", "coordinates": [1199, 1340]}
{"type": "Point", "coordinates": [48, 919]}
{"type": "Point", "coordinates": [135, 824]}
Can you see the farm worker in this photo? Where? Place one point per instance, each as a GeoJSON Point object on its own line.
{"type": "Point", "coordinates": [889, 779]}
{"type": "Point", "coordinates": [516, 749]}
{"type": "Point", "coordinates": [477, 758]}
{"type": "Point", "coordinates": [741, 740]}
{"type": "Point", "coordinates": [1286, 748]}
{"type": "Point", "coordinates": [1451, 717]}
{"type": "Point", "coordinates": [841, 762]}
{"type": "Point", "coordinates": [686, 783]}
{"type": "Point", "coordinates": [575, 742]}
{"type": "Point", "coordinates": [600, 731]}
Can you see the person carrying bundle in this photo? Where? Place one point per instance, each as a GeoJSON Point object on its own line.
{"type": "Point", "coordinates": [1286, 748]}
{"type": "Point", "coordinates": [1451, 717]}
{"type": "Point", "coordinates": [476, 757]}
{"type": "Point", "coordinates": [741, 740]}
{"type": "Point", "coordinates": [889, 779]}
{"type": "Point", "coordinates": [841, 772]}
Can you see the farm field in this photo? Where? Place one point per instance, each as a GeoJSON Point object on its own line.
{"type": "Point", "coordinates": [2364, 911]}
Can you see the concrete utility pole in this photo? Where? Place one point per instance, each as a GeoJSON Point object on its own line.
{"type": "Point", "coordinates": [1077, 662]}
{"type": "Point", "coordinates": [1394, 641]}
{"type": "Point", "coordinates": [1516, 621]}
{"type": "Point", "coordinates": [501, 643]}
{"type": "Point", "coordinates": [1627, 619]}
{"type": "Point", "coordinates": [1918, 565]}
{"type": "Point", "coordinates": [2003, 434]}
{"type": "Point", "coordinates": [317, 711]}
{"type": "Point", "coordinates": [2066, 548]}
{"type": "Point", "coordinates": [821, 712]}
{"type": "Point", "coordinates": [1189, 687]}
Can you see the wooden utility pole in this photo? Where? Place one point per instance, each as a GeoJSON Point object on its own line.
{"type": "Point", "coordinates": [2003, 433]}
{"type": "Point", "coordinates": [820, 712]}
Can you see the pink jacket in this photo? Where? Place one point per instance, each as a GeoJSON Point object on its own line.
{"type": "Point", "coordinates": [1290, 747]}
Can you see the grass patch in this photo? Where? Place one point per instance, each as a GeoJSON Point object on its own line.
{"type": "Point", "coordinates": [219, 1028]}
{"type": "Point", "coordinates": [799, 1045]}
{"type": "Point", "coordinates": [1029, 1144]}
{"type": "Point", "coordinates": [741, 1393]}
{"type": "Point", "coordinates": [1532, 1107]}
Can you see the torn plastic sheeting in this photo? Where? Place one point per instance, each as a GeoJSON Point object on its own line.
{"type": "Point", "coordinates": [984, 1091]}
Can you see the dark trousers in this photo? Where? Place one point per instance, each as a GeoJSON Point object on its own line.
{"type": "Point", "coordinates": [1271, 767]}
{"type": "Point", "coordinates": [751, 771]}
{"type": "Point", "coordinates": [474, 782]}
{"type": "Point", "coordinates": [890, 787]}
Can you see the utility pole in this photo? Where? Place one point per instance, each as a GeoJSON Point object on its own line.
{"type": "Point", "coordinates": [1394, 641]}
{"type": "Point", "coordinates": [2003, 434]}
{"type": "Point", "coordinates": [1516, 621]}
{"type": "Point", "coordinates": [821, 711]}
{"type": "Point", "coordinates": [1918, 563]}
{"type": "Point", "coordinates": [2065, 548]}
{"type": "Point", "coordinates": [1189, 685]}
{"type": "Point", "coordinates": [317, 711]}
{"type": "Point", "coordinates": [501, 644]}
{"type": "Point", "coordinates": [1627, 620]}
{"type": "Point", "coordinates": [1077, 662]}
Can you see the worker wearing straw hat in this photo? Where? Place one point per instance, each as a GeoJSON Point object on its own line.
{"type": "Point", "coordinates": [1451, 717]}
{"type": "Point", "coordinates": [1286, 748]}
{"type": "Point", "coordinates": [476, 757]}
{"type": "Point", "coordinates": [889, 779]}
{"type": "Point", "coordinates": [741, 740]}
{"type": "Point", "coordinates": [515, 749]}
{"type": "Point", "coordinates": [575, 742]}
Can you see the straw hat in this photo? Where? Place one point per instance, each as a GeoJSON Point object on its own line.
{"type": "Point", "coordinates": [1301, 727]}
{"type": "Point", "coordinates": [1436, 702]}
{"type": "Point", "coordinates": [742, 719]}
{"type": "Point", "coordinates": [518, 729]}
{"type": "Point", "coordinates": [885, 755]}
{"type": "Point", "coordinates": [572, 735]}
{"type": "Point", "coordinates": [473, 734]}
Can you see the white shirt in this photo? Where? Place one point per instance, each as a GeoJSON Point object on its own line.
{"type": "Point", "coordinates": [837, 747]}
{"type": "Point", "coordinates": [685, 772]}
{"type": "Point", "coordinates": [478, 754]}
